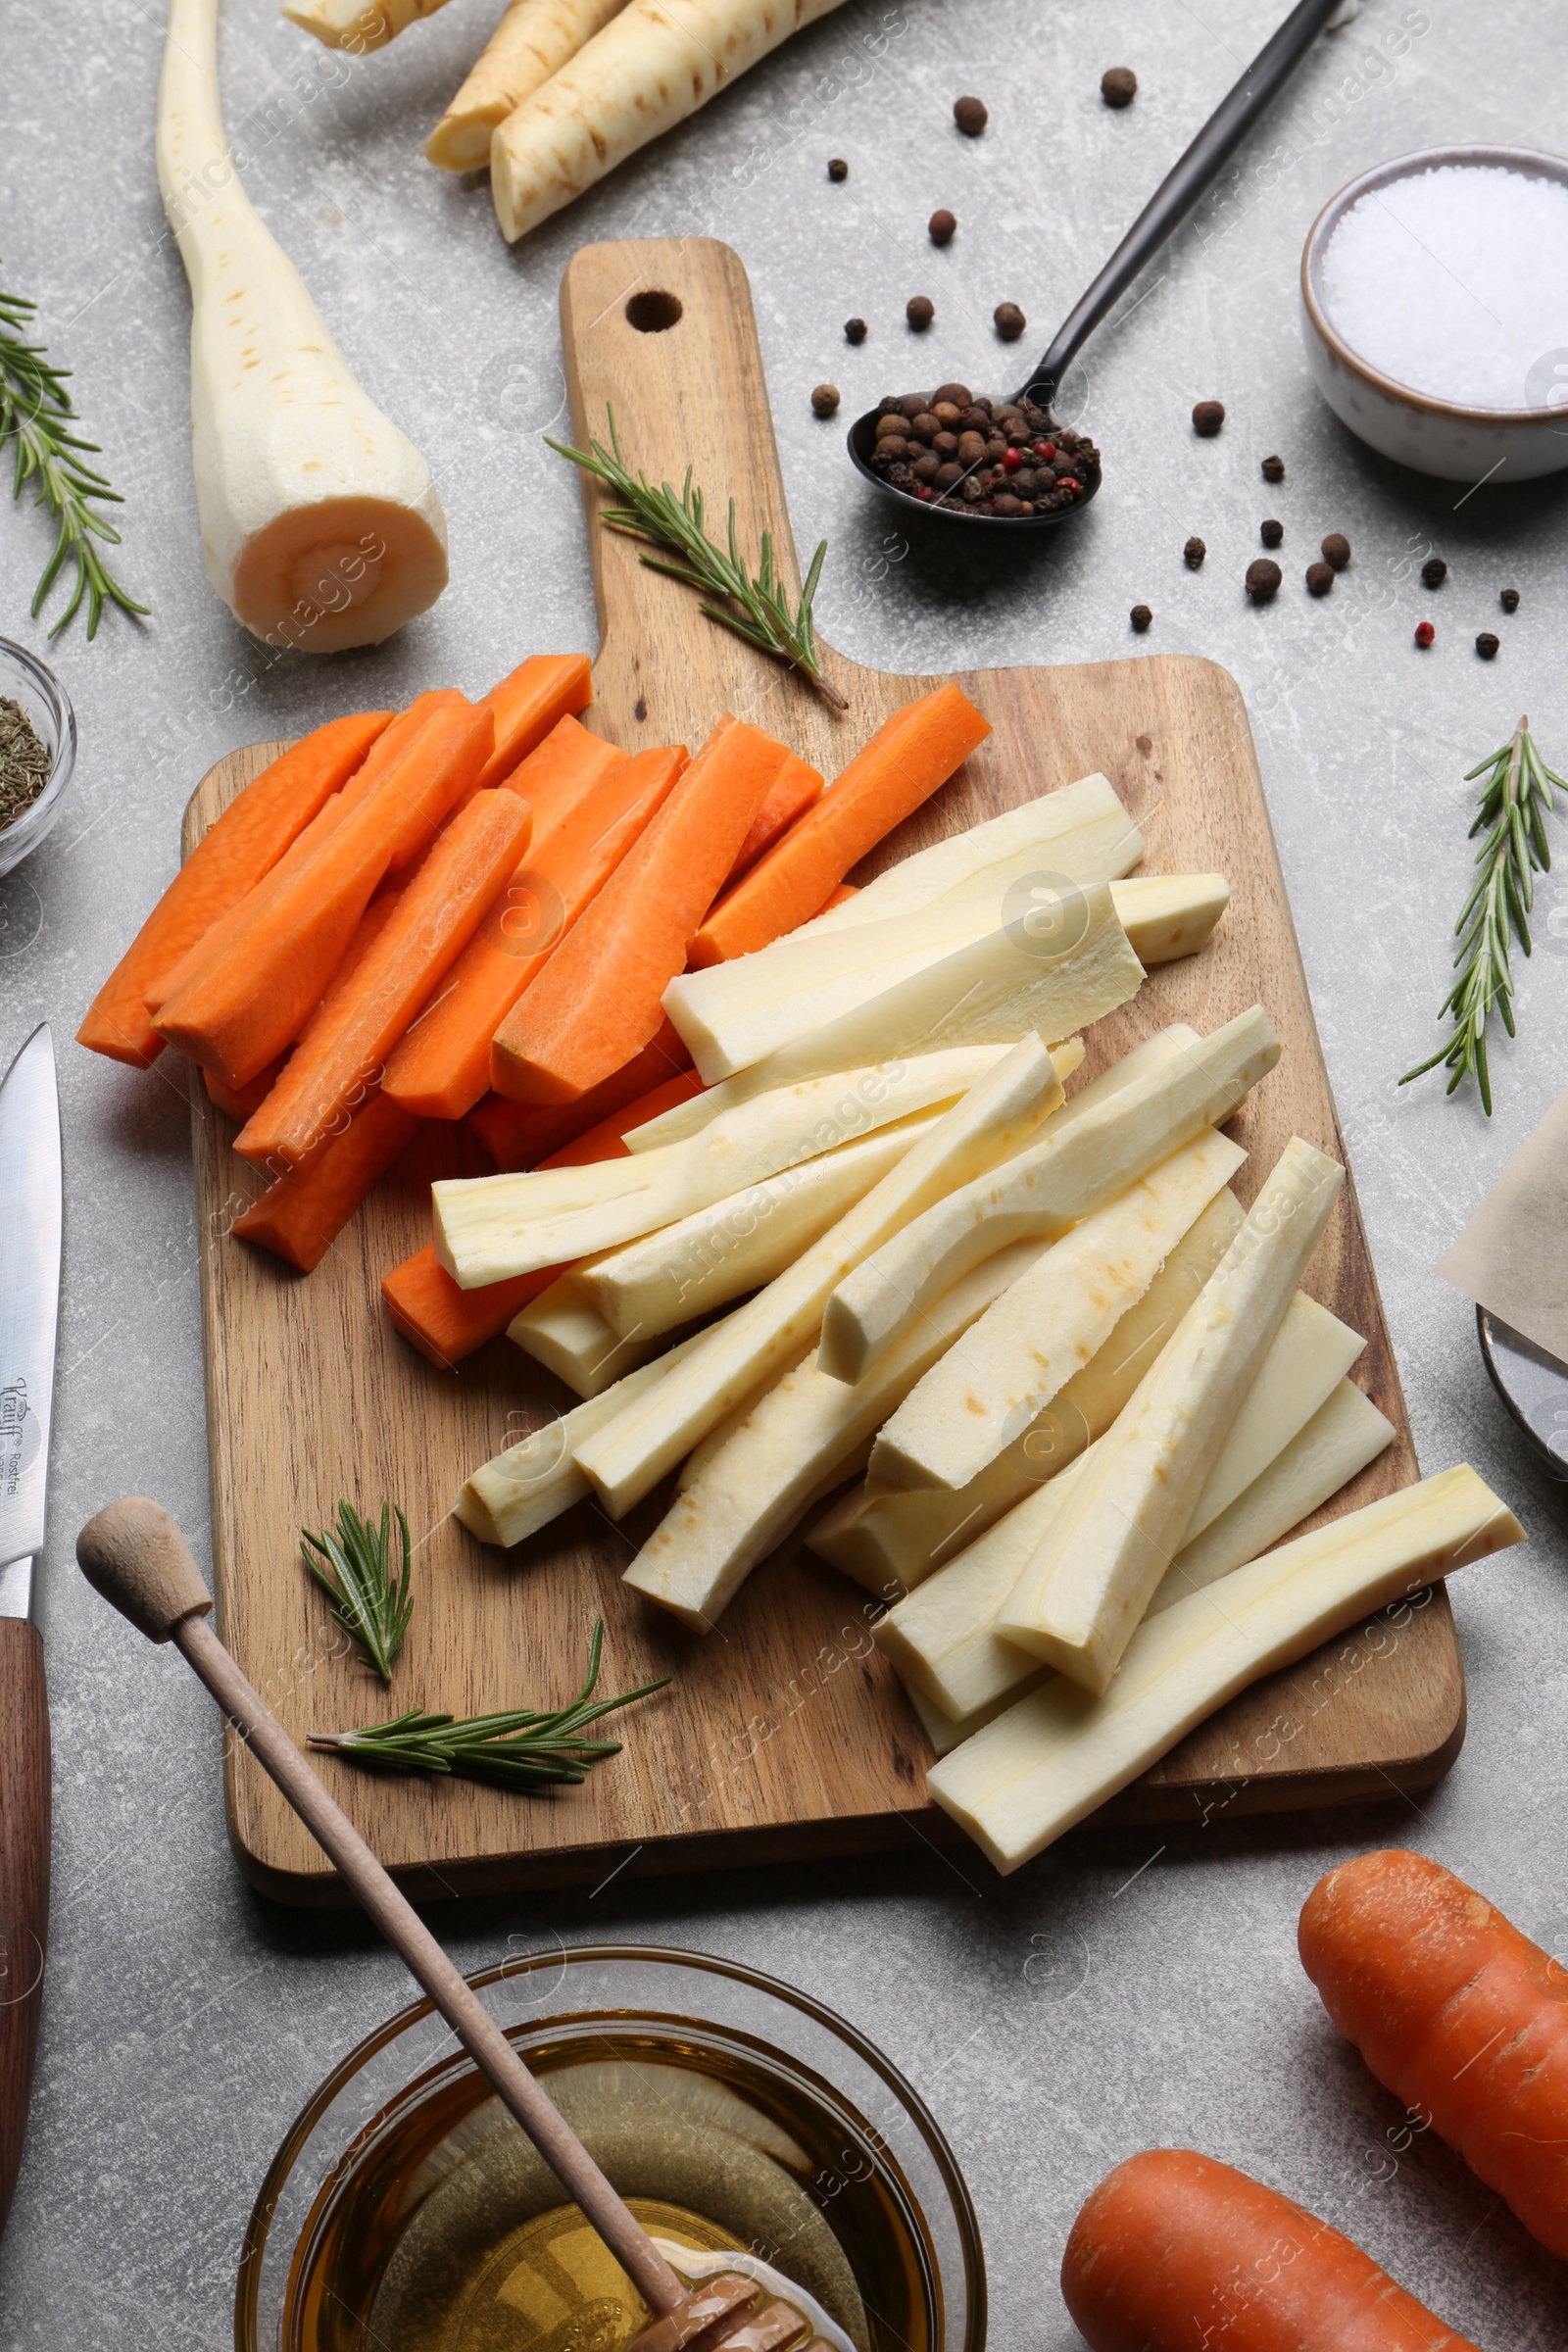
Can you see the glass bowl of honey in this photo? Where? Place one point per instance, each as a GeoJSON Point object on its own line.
{"type": "Point", "coordinates": [405, 2210]}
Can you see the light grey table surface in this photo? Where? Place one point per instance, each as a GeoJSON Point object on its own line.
{"type": "Point", "coordinates": [1124, 1991]}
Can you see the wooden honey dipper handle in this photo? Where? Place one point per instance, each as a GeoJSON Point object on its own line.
{"type": "Point", "coordinates": [137, 1558]}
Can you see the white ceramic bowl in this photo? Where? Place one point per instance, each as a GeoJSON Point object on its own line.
{"type": "Point", "coordinates": [24, 679]}
{"type": "Point", "coordinates": [1434, 436]}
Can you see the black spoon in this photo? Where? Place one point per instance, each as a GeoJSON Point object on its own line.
{"type": "Point", "coordinates": [1170, 203]}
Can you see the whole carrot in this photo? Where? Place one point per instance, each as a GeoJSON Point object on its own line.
{"type": "Point", "coordinates": [1174, 2252]}
{"type": "Point", "coordinates": [1456, 2013]}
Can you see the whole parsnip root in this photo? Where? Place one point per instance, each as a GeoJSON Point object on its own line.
{"type": "Point", "coordinates": [648, 69]}
{"type": "Point", "coordinates": [358, 25]}
{"type": "Point", "coordinates": [533, 40]}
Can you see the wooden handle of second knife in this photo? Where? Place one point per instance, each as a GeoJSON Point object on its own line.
{"type": "Point", "coordinates": [24, 1881]}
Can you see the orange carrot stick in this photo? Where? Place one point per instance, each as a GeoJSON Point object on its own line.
{"type": "Point", "coordinates": [597, 1001]}
{"type": "Point", "coordinates": [238, 1102]}
{"type": "Point", "coordinates": [162, 983]}
{"type": "Point", "coordinates": [555, 776]}
{"type": "Point", "coordinates": [441, 1066]}
{"type": "Point", "coordinates": [520, 1135]}
{"type": "Point", "coordinates": [908, 757]}
{"type": "Point", "coordinates": [544, 689]}
{"type": "Point", "coordinates": [250, 998]}
{"type": "Point", "coordinates": [1175, 2251]}
{"type": "Point", "coordinates": [345, 1047]}
{"type": "Point", "coordinates": [795, 789]}
{"type": "Point", "coordinates": [1458, 2014]}
{"type": "Point", "coordinates": [837, 898]}
{"type": "Point", "coordinates": [234, 853]}
{"type": "Point", "coordinates": [445, 1323]}
{"type": "Point", "coordinates": [299, 1217]}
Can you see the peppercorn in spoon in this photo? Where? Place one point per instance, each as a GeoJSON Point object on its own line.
{"type": "Point", "coordinates": [991, 449]}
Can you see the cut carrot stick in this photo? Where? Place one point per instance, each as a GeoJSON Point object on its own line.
{"type": "Point", "coordinates": [237, 849]}
{"type": "Point", "coordinates": [445, 1323]}
{"type": "Point", "coordinates": [238, 1102]}
{"type": "Point", "coordinates": [837, 898]}
{"type": "Point", "coordinates": [795, 789]}
{"type": "Point", "coordinates": [162, 984]}
{"type": "Point", "coordinates": [597, 1002]}
{"type": "Point", "coordinates": [520, 1135]}
{"type": "Point", "coordinates": [554, 777]}
{"type": "Point", "coordinates": [1458, 2014]}
{"type": "Point", "coordinates": [251, 996]}
{"type": "Point", "coordinates": [1175, 2251]}
{"type": "Point", "coordinates": [427, 926]}
{"type": "Point", "coordinates": [441, 1067]}
{"type": "Point", "coordinates": [544, 689]}
{"type": "Point", "coordinates": [908, 757]}
{"type": "Point", "coordinates": [299, 1217]}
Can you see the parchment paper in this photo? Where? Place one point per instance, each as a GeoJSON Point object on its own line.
{"type": "Point", "coordinates": [1512, 1257]}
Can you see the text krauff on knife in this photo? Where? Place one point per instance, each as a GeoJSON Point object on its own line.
{"type": "Point", "coordinates": [29, 1303]}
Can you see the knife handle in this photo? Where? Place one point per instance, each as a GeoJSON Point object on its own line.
{"type": "Point", "coordinates": [24, 1881]}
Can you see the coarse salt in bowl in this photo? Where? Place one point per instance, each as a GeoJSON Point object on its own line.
{"type": "Point", "coordinates": [1435, 300]}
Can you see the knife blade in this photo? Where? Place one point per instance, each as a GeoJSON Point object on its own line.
{"type": "Point", "coordinates": [30, 1220]}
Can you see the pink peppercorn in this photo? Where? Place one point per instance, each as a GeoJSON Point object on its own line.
{"type": "Point", "coordinates": [1424, 633]}
{"type": "Point", "coordinates": [1046, 450]}
{"type": "Point", "coordinates": [1011, 460]}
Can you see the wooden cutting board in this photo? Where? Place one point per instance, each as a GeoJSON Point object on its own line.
{"type": "Point", "coordinates": [783, 1735]}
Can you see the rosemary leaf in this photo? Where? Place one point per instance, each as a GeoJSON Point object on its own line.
{"type": "Point", "coordinates": [678, 525]}
{"type": "Point", "coordinates": [354, 1566]}
{"type": "Point", "coordinates": [36, 414]}
{"type": "Point", "coordinates": [521, 1749]}
{"type": "Point", "coordinates": [1515, 798]}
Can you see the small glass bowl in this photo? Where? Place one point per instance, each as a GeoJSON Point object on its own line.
{"type": "Point", "coordinates": [24, 679]}
{"type": "Point", "coordinates": [405, 2206]}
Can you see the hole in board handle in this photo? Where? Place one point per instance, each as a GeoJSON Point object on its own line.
{"type": "Point", "coordinates": [652, 312]}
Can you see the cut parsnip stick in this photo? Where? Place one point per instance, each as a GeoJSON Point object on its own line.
{"type": "Point", "coordinates": [1057, 1755]}
{"type": "Point", "coordinates": [1050, 1325]}
{"type": "Point", "coordinates": [563, 1329]}
{"type": "Point", "coordinates": [649, 69]}
{"type": "Point", "coordinates": [520, 1490]}
{"type": "Point", "coordinates": [891, 1538]}
{"type": "Point", "coordinates": [1080, 830]}
{"type": "Point", "coordinates": [944, 1639]}
{"type": "Point", "coordinates": [490, 1227]}
{"type": "Point", "coordinates": [535, 40]}
{"type": "Point", "coordinates": [751, 1490]}
{"type": "Point", "coordinates": [355, 25]}
{"type": "Point", "coordinates": [634, 1451]}
{"type": "Point", "coordinates": [1079, 1600]}
{"type": "Point", "coordinates": [739, 1243]}
{"type": "Point", "coordinates": [945, 1735]}
{"type": "Point", "coordinates": [1311, 1352]}
{"type": "Point", "coordinates": [1066, 1176]}
{"type": "Point", "coordinates": [1169, 916]}
{"type": "Point", "coordinates": [998, 989]}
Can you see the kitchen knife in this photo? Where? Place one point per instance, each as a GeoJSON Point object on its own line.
{"type": "Point", "coordinates": [29, 1303]}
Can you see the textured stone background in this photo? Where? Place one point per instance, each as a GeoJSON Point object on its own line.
{"type": "Point", "coordinates": [1112, 1996]}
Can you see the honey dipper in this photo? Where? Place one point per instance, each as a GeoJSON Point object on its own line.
{"type": "Point", "coordinates": [137, 1558]}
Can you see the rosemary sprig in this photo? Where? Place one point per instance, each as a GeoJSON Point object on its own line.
{"type": "Point", "coordinates": [1514, 801]}
{"type": "Point", "coordinates": [518, 1749]}
{"type": "Point", "coordinates": [758, 609]}
{"type": "Point", "coordinates": [36, 412]}
{"type": "Point", "coordinates": [354, 1566]}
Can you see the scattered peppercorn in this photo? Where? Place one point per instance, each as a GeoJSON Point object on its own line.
{"type": "Point", "coordinates": [1140, 616]}
{"type": "Point", "coordinates": [1424, 633]}
{"type": "Point", "coordinates": [1273, 469]}
{"type": "Point", "coordinates": [1509, 600]}
{"type": "Point", "coordinates": [837, 167]}
{"type": "Point", "coordinates": [1337, 549]}
{"type": "Point", "coordinates": [941, 225]}
{"type": "Point", "coordinates": [970, 115]}
{"type": "Point", "coordinates": [1192, 554]}
{"type": "Point", "coordinates": [825, 399]}
{"type": "Point", "coordinates": [919, 311]}
{"type": "Point", "coordinates": [854, 330]}
{"type": "Point", "coordinates": [1208, 417]}
{"type": "Point", "coordinates": [1118, 85]}
{"type": "Point", "coordinates": [1009, 321]}
{"type": "Point", "coordinates": [1271, 532]}
{"type": "Point", "coordinates": [1264, 578]}
{"type": "Point", "coordinates": [1486, 646]}
{"type": "Point", "coordinates": [1433, 571]}
{"type": "Point", "coordinates": [1319, 578]}
{"type": "Point", "coordinates": [1001, 457]}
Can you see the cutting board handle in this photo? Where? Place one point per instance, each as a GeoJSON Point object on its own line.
{"type": "Point", "coordinates": [661, 332]}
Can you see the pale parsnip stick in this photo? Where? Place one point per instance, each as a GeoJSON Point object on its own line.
{"type": "Point", "coordinates": [533, 40]}
{"type": "Point", "coordinates": [358, 25]}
